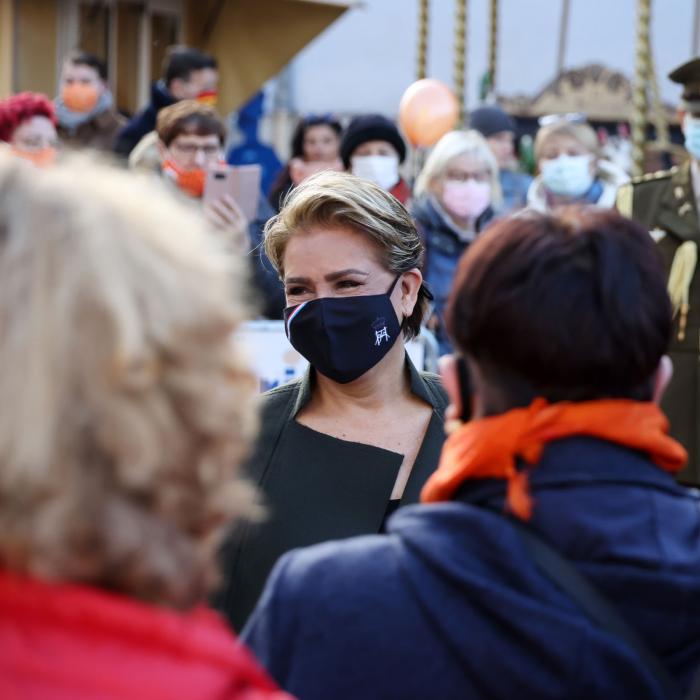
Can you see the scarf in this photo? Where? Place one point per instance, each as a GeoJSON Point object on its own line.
{"type": "Point", "coordinates": [488, 448]}
{"type": "Point", "coordinates": [72, 120]}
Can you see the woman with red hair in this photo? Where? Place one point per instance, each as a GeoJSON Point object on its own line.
{"type": "Point", "coordinates": [28, 124]}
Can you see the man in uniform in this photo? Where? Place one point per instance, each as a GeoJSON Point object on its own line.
{"type": "Point", "coordinates": [666, 203]}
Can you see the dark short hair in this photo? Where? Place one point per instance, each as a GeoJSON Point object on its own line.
{"type": "Point", "coordinates": [84, 58]}
{"type": "Point", "coordinates": [570, 306]}
{"type": "Point", "coordinates": [189, 117]}
{"type": "Point", "coordinates": [181, 61]}
{"type": "Point", "coordinates": [305, 124]}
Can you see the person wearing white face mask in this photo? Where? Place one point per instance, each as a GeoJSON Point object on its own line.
{"type": "Point", "coordinates": [666, 203]}
{"type": "Point", "coordinates": [571, 170]}
{"type": "Point", "coordinates": [372, 148]}
{"type": "Point", "coordinates": [456, 196]}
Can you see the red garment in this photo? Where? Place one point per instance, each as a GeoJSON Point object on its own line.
{"type": "Point", "coordinates": [70, 642]}
{"type": "Point", "coordinates": [488, 448]}
{"type": "Point", "coordinates": [401, 191]}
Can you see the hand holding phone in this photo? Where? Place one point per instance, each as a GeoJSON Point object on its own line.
{"type": "Point", "coordinates": [226, 216]}
{"type": "Point", "coordinates": [241, 183]}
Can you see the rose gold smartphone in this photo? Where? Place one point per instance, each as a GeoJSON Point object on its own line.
{"type": "Point", "coordinates": [242, 182]}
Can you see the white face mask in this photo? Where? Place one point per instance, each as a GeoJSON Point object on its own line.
{"type": "Point", "coordinates": [567, 175]}
{"type": "Point", "coordinates": [382, 170]}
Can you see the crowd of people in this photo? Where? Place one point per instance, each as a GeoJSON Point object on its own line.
{"type": "Point", "coordinates": [523, 525]}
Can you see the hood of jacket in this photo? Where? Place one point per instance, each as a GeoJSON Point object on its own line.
{"type": "Point", "coordinates": [626, 527]}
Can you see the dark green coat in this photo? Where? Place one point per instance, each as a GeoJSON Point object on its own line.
{"type": "Point", "coordinates": [317, 488]}
{"type": "Point", "coordinates": [664, 203]}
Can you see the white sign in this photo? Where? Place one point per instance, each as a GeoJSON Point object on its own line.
{"type": "Point", "coordinates": [275, 361]}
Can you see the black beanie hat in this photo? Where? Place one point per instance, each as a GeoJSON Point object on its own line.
{"type": "Point", "coordinates": [491, 120]}
{"type": "Point", "coordinates": [370, 127]}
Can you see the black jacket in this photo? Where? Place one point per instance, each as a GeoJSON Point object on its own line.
{"type": "Point", "coordinates": [317, 488]}
{"type": "Point", "coordinates": [145, 121]}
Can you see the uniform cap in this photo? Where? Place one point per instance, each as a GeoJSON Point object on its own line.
{"type": "Point", "coordinates": [688, 75]}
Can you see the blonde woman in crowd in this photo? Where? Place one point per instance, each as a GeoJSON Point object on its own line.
{"type": "Point", "coordinates": [457, 195]}
{"type": "Point", "coordinates": [125, 410]}
{"type": "Point", "coordinates": [571, 169]}
{"type": "Point", "coordinates": [355, 438]}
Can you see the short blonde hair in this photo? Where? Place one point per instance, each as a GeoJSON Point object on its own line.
{"type": "Point", "coordinates": [126, 407]}
{"type": "Point", "coordinates": [581, 132]}
{"type": "Point", "coordinates": [341, 199]}
{"type": "Point", "coordinates": [450, 146]}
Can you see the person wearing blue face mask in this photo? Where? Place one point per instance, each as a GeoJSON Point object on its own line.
{"type": "Point", "coordinates": [571, 170]}
{"type": "Point", "coordinates": [666, 203]}
{"type": "Point", "coordinates": [355, 438]}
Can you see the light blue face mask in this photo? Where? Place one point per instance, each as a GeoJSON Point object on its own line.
{"type": "Point", "coordinates": [567, 175]}
{"type": "Point", "coordinates": [691, 130]}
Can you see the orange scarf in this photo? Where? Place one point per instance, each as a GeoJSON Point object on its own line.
{"type": "Point", "coordinates": [488, 448]}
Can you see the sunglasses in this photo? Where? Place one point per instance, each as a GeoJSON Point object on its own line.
{"type": "Point", "coordinates": [569, 117]}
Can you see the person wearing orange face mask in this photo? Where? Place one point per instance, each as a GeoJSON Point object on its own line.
{"type": "Point", "coordinates": [28, 127]}
{"type": "Point", "coordinates": [190, 140]}
{"type": "Point", "coordinates": [188, 74]}
{"type": "Point", "coordinates": [85, 106]}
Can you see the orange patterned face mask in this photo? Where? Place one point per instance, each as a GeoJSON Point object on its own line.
{"type": "Point", "coordinates": [80, 98]}
{"type": "Point", "coordinates": [42, 159]}
{"type": "Point", "coordinates": [191, 182]}
{"type": "Point", "coordinates": [208, 98]}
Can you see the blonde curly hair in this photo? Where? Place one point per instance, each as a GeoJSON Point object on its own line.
{"type": "Point", "coordinates": [126, 407]}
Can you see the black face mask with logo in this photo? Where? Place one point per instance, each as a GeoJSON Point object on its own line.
{"type": "Point", "coordinates": [343, 337]}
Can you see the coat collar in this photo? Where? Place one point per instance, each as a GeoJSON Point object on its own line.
{"type": "Point", "coordinates": [678, 210]}
{"type": "Point", "coordinates": [419, 388]}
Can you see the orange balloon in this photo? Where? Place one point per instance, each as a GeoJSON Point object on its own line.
{"type": "Point", "coordinates": [427, 111]}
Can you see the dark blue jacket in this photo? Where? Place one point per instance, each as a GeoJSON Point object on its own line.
{"type": "Point", "coordinates": [145, 121]}
{"type": "Point", "coordinates": [449, 605]}
{"type": "Point", "coordinates": [443, 249]}
{"type": "Point", "coordinates": [268, 291]}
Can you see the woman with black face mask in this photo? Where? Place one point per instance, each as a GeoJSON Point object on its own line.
{"type": "Point", "coordinates": [360, 433]}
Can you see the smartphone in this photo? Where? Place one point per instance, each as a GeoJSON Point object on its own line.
{"type": "Point", "coordinates": [465, 386]}
{"type": "Point", "coordinates": [242, 182]}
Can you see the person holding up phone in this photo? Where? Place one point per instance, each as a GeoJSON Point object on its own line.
{"type": "Point", "coordinates": [190, 138]}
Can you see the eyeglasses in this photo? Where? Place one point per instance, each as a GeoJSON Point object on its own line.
{"type": "Point", "coordinates": [461, 176]}
{"type": "Point", "coordinates": [190, 149]}
{"type": "Point", "coordinates": [34, 144]}
{"type": "Point", "coordinates": [571, 117]}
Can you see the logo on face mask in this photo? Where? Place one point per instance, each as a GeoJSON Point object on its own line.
{"type": "Point", "coordinates": [331, 333]}
{"type": "Point", "coordinates": [381, 332]}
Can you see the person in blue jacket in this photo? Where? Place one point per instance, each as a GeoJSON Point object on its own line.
{"type": "Point", "coordinates": [562, 324]}
{"type": "Point", "coordinates": [188, 74]}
